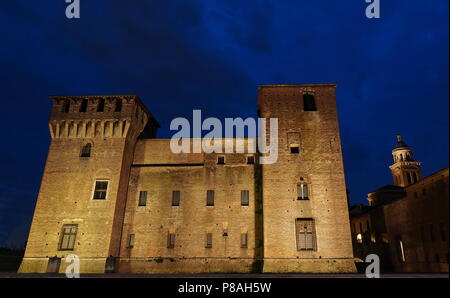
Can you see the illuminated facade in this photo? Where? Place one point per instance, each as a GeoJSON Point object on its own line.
{"type": "Point", "coordinates": [120, 200]}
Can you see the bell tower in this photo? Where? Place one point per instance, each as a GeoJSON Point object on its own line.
{"type": "Point", "coordinates": [405, 170]}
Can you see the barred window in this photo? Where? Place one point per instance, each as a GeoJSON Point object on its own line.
{"type": "Point", "coordinates": [306, 234]}
{"type": "Point", "coordinates": [244, 240]}
{"type": "Point", "coordinates": [210, 198]}
{"type": "Point", "coordinates": [176, 198]}
{"type": "Point", "coordinates": [302, 191]}
{"type": "Point", "coordinates": [101, 188]}
{"type": "Point", "coordinates": [68, 236]}
{"type": "Point", "coordinates": [86, 150]}
{"type": "Point", "coordinates": [244, 197]}
{"type": "Point", "coordinates": [170, 240]}
{"type": "Point", "coordinates": [142, 198]}
{"type": "Point", "coordinates": [209, 240]}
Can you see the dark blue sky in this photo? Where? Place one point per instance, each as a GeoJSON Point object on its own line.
{"type": "Point", "coordinates": [183, 55]}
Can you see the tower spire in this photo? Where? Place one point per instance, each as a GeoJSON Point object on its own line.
{"type": "Point", "coordinates": [405, 170]}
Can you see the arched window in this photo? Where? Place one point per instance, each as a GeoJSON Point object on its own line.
{"type": "Point", "coordinates": [83, 106]}
{"type": "Point", "coordinates": [86, 151]}
{"type": "Point", "coordinates": [309, 102]}
{"type": "Point", "coordinates": [101, 105]}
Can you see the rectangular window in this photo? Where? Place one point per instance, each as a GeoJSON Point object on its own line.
{"type": "Point", "coordinates": [68, 236]}
{"type": "Point", "coordinates": [101, 187]}
{"type": "Point", "coordinates": [221, 160]}
{"type": "Point", "coordinates": [143, 198]}
{"type": "Point", "coordinates": [208, 240]}
{"type": "Point", "coordinates": [244, 240]}
{"type": "Point", "coordinates": [244, 197]}
{"type": "Point", "coordinates": [210, 198]}
{"type": "Point", "coordinates": [83, 106]}
{"type": "Point", "coordinates": [302, 191]}
{"type": "Point", "coordinates": [306, 234]}
{"type": "Point", "coordinates": [309, 102]}
{"type": "Point", "coordinates": [250, 160]}
{"type": "Point", "coordinates": [131, 241]}
{"type": "Point", "coordinates": [170, 240]}
{"type": "Point", "coordinates": [176, 198]}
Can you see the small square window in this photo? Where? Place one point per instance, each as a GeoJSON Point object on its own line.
{"type": "Point", "coordinates": [295, 150]}
{"type": "Point", "coordinates": [221, 160]}
{"type": "Point", "coordinates": [101, 188]}
{"type": "Point", "coordinates": [250, 160]}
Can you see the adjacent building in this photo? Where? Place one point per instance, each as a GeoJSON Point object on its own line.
{"type": "Point", "coordinates": [406, 223]}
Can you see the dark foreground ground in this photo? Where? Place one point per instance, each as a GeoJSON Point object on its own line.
{"type": "Point", "coordinates": [29, 275]}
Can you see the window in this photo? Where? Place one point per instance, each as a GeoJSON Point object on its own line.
{"type": "Point", "coordinates": [408, 175]}
{"type": "Point", "coordinates": [66, 106]}
{"type": "Point", "coordinates": [101, 105]}
{"type": "Point", "coordinates": [309, 102]}
{"type": "Point", "coordinates": [368, 226]}
{"type": "Point", "coordinates": [244, 240]}
{"type": "Point", "coordinates": [250, 160]}
{"type": "Point", "coordinates": [221, 160]}
{"type": "Point", "coordinates": [302, 191]}
{"type": "Point", "coordinates": [443, 234]}
{"type": "Point", "coordinates": [306, 235]}
{"type": "Point", "coordinates": [131, 241]}
{"type": "Point", "coordinates": [244, 197]}
{"type": "Point", "coordinates": [432, 236]}
{"type": "Point", "coordinates": [210, 198]}
{"type": "Point", "coordinates": [101, 188]}
{"type": "Point", "coordinates": [176, 198]}
{"type": "Point", "coordinates": [295, 149]}
{"type": "Point", "coordinates": [68, 235]}
{"type": "Point", "coordinates": [359, 238]}
{"type": "Point", "coordinates": [118, 107]}
{"type": "Point", "coordinates": [86, 150]}
{"type": "Point", "coordinates": [208, 240]}
{"type": "Point", "coordinates": [83, 106]}
{"type": "Point", "coordinates": [416, 178]}
{"type": "Point", "coordinates": [438, 259]}
{"type": "Point", "coordinates": [142, 198]}
{"type": "Point", "coordinates": [170, 240]}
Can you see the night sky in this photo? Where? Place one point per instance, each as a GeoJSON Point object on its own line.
{"type": "Point", "coordinates": [182, 55]}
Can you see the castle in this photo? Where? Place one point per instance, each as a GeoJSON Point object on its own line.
{"type": "Point", "coordinates": [119, 199]}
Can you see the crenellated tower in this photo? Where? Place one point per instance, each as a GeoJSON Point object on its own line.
{"type": "Point", "coordinates": [405, 170]}
{"type": "Point", "coordinates": [81, 202]}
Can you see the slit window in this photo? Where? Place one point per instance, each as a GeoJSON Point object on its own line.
{"type": "Point", "coordinates": [210, 198]}
{"type": "Point", "coordinates": [176, 198]}
{"type": "Point", "coordinates": [244, 240]}
{"type": "Point", "coordinates": [131, 241]}
{"type": "Point", "coordinates": [171, 240]}
{"type": "Point", "coordinates": [309, 102]}
{"type": "Point", "coordinates": [142, 198]}
{"type": "Point", "coordinates": [302, 191]}
{"type": "Point", "coordinates": [306, 234]}
{"type": "Point", "coordinates": [244, 197]}
{"type": "Point", "coordinates": [68, 236]}
{"type": "Point", "coordinates": [400, 249]}
{"type": "Point", "coordinates": [101, 188]}
{"type": "Point", "coordinates": [209, 240]}
{"type": "Point", "coordinates": [86, 150]}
